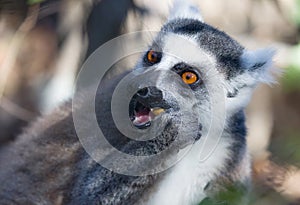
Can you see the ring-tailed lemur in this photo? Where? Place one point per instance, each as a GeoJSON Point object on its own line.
{"type": "Point", "coordinates": [48, 165]}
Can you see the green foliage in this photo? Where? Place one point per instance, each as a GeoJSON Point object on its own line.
{"type": "Point", "coordinates": [287, 150]}
{"type": "Point", "coordinates": [31, 2]}
{"type": "Point", "coordinates": [233, 195]}
{"type": "Point", "coordinates": [239, 196]}
{"type": "Point", "coordinates": [296, 15]}
{"type": "Point", "coordinates": [207, 201]}
{"type": "Point", "coordinates": [291, 79]}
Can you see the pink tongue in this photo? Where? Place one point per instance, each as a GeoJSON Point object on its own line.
{"type": "Point", "coordinates": [141, 119]}
{"type": "Point", "coordinates": [142, 116]}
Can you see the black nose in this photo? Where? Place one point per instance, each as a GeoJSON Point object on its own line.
{"type": "Point", "coordinates": [150, 95]}
{"type": "Point", "coordinates": [150, 92]}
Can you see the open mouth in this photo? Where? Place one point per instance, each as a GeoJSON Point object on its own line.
{"type": "Point", "coordinates": [145, 105]}
{"type": "Point", "coordinates": [142, 115]}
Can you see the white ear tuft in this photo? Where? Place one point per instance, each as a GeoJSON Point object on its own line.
{"type": "Point", "coordinates": [184, 9]}
{"type": "Point", "coordinates": [259, 64]}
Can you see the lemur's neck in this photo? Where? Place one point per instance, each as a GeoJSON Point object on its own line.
{"type": "Point", "coordinates": [236, 131]}
{"type": "Point", "coordinates": [190, 180]}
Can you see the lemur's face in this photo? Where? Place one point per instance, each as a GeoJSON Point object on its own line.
{"type": "Point", "coordinates": [195, 61]}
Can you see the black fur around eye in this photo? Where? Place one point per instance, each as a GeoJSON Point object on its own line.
{"type": "Point", "coordinates": [152, 57]}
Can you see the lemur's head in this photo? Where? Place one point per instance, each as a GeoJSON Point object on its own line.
{"type": "Point", "coordinates": [199, 61]}
{"type": "Point", "coordinates": [190, 76]}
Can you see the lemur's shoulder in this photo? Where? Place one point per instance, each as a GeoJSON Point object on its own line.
{"type": "Point", "coordinates": [39, 166]}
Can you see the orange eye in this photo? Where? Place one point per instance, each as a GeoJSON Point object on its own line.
{"type": "Point", "coordinates": [153, 56]}
{"type": "Point", "coordinates": [189, 77]}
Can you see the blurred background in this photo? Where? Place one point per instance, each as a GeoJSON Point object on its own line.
{"type": "Point", "coordinates": [43, 44]}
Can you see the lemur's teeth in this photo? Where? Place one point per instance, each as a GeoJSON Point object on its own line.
{"type": "Point", "coordinates": [157, 111]}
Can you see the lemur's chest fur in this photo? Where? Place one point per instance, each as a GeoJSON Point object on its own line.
{"type": "Point", "coordinates": [186, 181]}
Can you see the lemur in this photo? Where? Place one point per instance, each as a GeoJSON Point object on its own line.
{"type": "Point", "coordinates": [191, 62]}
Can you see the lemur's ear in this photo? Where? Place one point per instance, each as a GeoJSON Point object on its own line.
{"type": "Point", "coordinates": [184, 9]}
{"type": "Point", "coordinates": [259, 64]}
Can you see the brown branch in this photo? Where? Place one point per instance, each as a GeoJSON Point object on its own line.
{"type": "Point", "coordinates": [10, 59]}
{"type": "Point", "coordinates": [14, 109]}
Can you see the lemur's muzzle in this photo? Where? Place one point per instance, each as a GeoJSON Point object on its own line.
{"type": "Point", "coordinates": [145, 105]}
